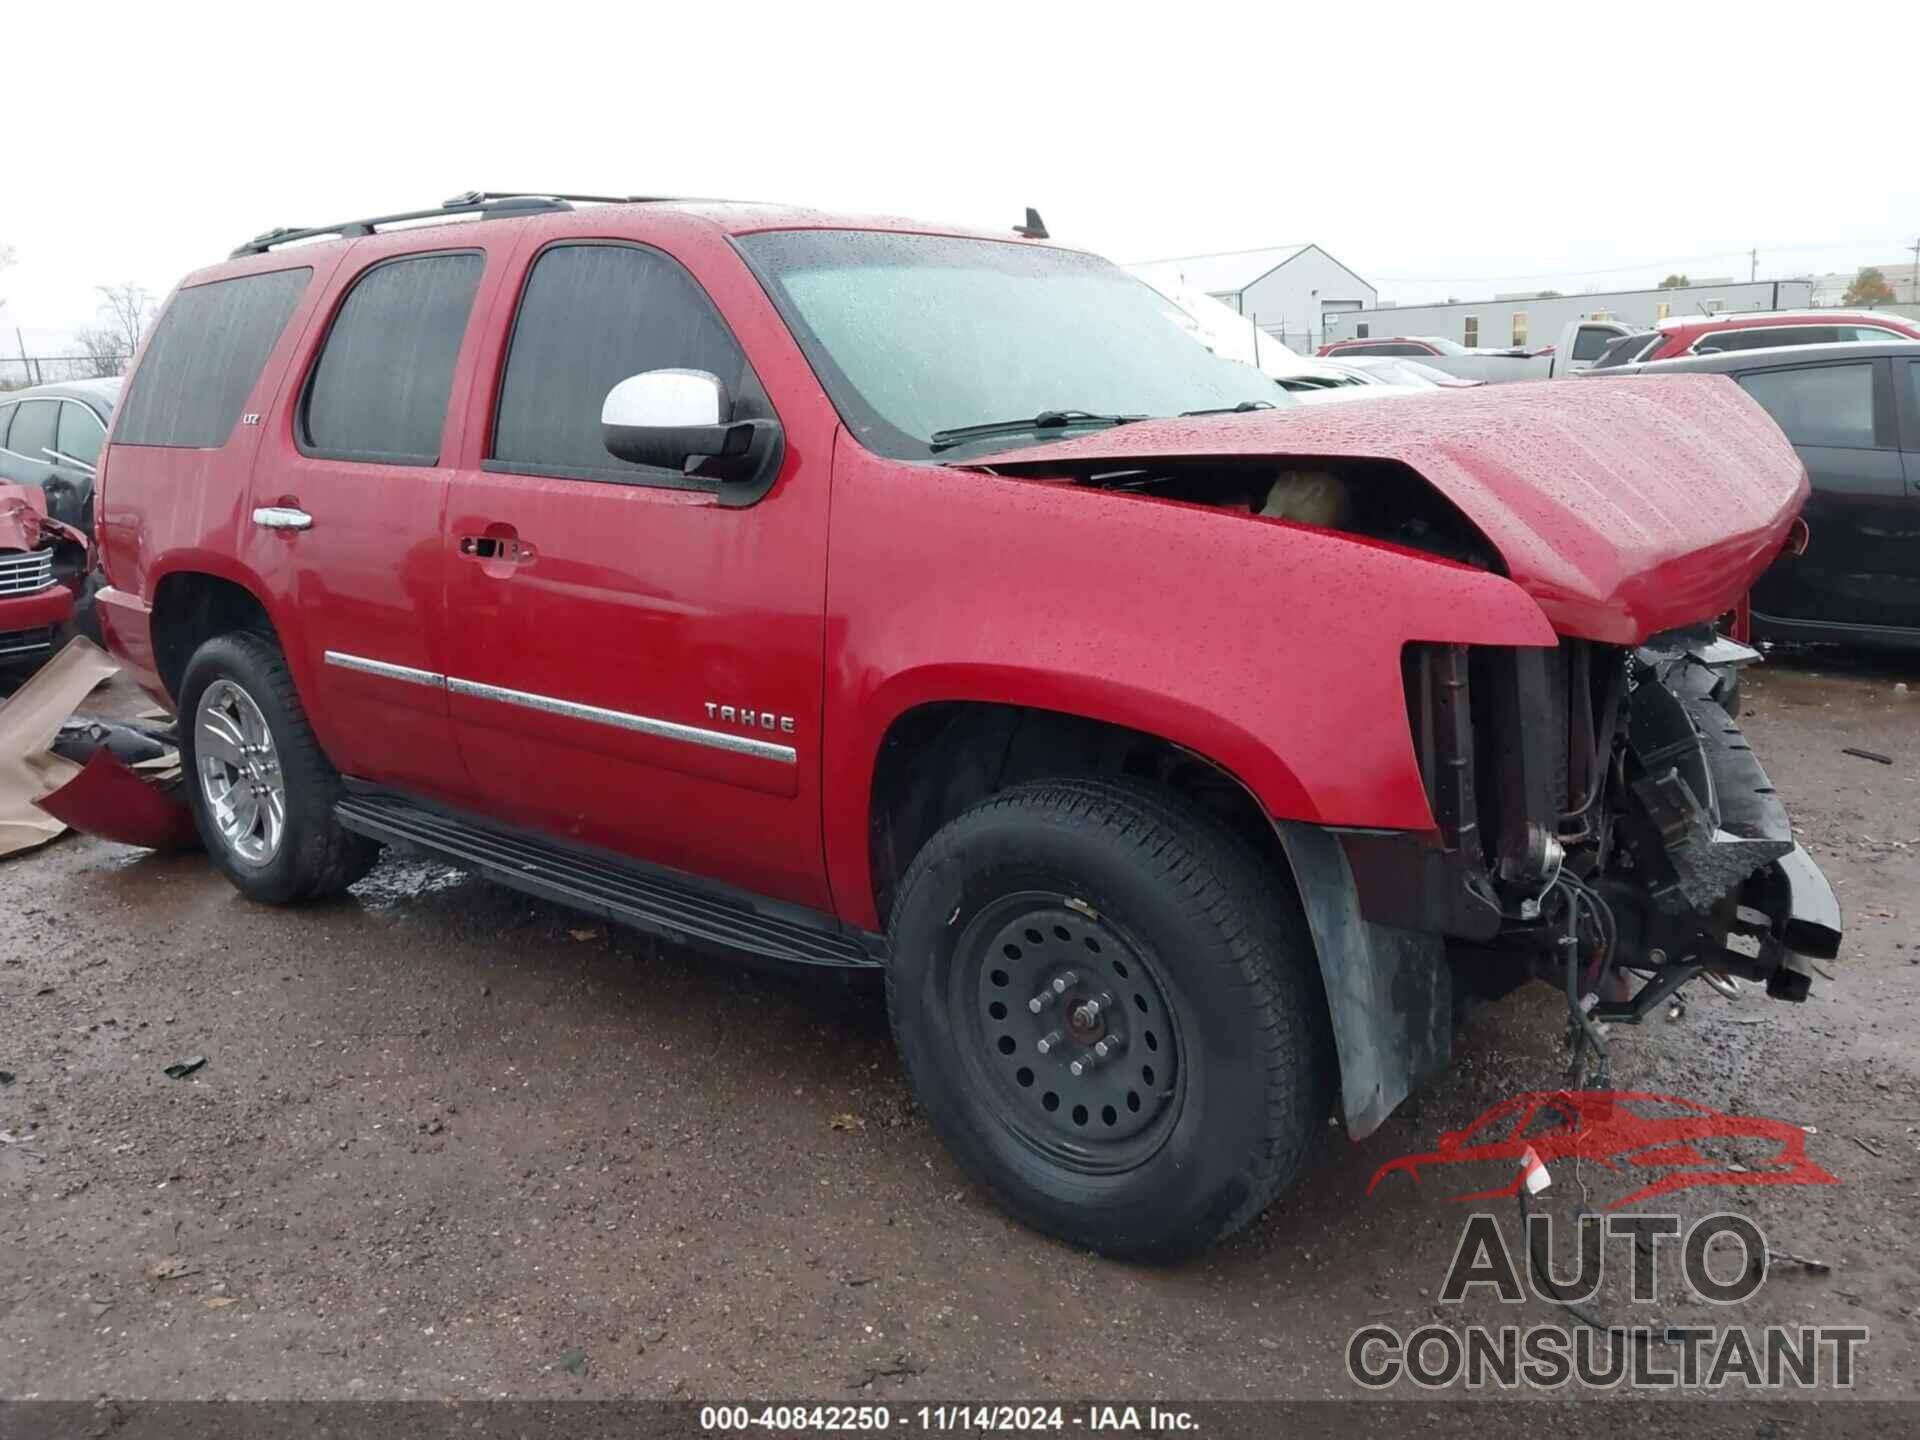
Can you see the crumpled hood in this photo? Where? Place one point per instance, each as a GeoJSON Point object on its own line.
{"type": "Point", "coordinates": [25, 524]}
{"type": "Point", "coordinates": [1622, 506]}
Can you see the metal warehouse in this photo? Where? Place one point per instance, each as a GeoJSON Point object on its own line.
{"type": "Point", "coordinates": [1292, 292]}
{"type": "Point", "coordinates": [1537, 318]}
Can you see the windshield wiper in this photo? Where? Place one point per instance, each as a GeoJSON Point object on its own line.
{"type": "Point", "coordinates": [1241, 409]}
{"type": "Point", "coordinates": [1045, 420]}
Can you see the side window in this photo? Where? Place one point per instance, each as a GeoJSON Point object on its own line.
{"type": "Point", "coordinates": [6, 420]}
{"type": "Point", "coordinates": [1870, 333]}
{"type": "Point", "coordinates": [592, 315]}
{"type": "Point", "coordinates": [204, 358]}
{"type": "Point", "coordinates": [1818, 405]}
{"type": "Point", "coordinates": [80, 433]}
{"type": "Point", "coordinates": [380, 387]}
{"type": "Point", "coordinates": [35, 424]}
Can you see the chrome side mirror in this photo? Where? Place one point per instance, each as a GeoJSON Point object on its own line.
{"type": "Point", "coordinates": [683, 420]}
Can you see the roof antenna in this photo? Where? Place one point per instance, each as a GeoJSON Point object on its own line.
{"type": "Point", "coordinates": [1035, 228]}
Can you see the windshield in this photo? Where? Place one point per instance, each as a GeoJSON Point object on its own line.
{"type": "Point", "coordinates": [919, 335]}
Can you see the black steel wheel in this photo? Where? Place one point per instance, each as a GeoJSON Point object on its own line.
{"type": "Point", "coordinates": [1112, 1014]}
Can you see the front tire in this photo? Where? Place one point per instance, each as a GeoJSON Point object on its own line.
{"type": "Point", "coordinates": [262, 791]}
{"type": "Point", "coordinates": [1112, 1014]}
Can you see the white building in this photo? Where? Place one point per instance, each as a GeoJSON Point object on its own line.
{"type": "Point", "coordinates": [1287, 290]}
{"type": "Point", "coordinates": [1538, 319]}
{"type": "Point", "coordinates": [1903, 277]}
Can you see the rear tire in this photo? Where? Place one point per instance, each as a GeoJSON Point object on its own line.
{"type": "Point", "coordinates": [237, 688]}
{"type": "Point", "coordinates": [1203, 971]}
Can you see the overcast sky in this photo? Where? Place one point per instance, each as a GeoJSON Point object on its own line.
{"type": "Point", "coordinates": [1437, 149]}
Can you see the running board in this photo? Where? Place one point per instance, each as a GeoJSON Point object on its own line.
{"type": "Point", "coordinates": [677, 907]}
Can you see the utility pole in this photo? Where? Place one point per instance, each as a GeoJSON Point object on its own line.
{"type": "Point", "coordinates": [1753, 265]}
{"type": "Point", "coordinates": [1916, 272]}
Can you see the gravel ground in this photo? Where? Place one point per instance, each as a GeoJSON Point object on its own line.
{"type": "Point", "coordinates": [449, 1142]}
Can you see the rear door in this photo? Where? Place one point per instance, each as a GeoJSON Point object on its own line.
{"type": "Point", "coordinates": [631, 663]}
{"type": "Point", "coordinates": [1841, 419]}
{"type": "Point", "coordinates": [349, 491]}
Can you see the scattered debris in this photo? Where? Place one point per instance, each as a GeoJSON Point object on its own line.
{"type": "Point", "coordinates": [584, 932]}
{"type": "Point", "coordinates": [848, 1121]}
{"type": "Point", "coordinates": [180, 1069]}
{"type": "Point", "coordinates": [220, 1302]}
{"type": "Point", "coordinates": [1868, 1146]}
{"type": "Point", "coordinates": [171, 1268]}
{"type": "Point", "coordinates": [1873, 755]}
{"type": "Point", "coordinates": [1805, 1262]}
{"type": "Point", "coordinates": [30, 718]}
{"type": "Point", "coordinates": [897, 1367]}
{"type": "Point", "coordinates": [574, 1360]}
{"type": "Point", "coordinates": [1821, 968]}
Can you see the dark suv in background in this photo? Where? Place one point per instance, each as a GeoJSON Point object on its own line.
{"type": "Point", "coordinates": [1852, 411]}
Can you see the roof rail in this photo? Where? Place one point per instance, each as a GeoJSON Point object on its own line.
{"type": "Point", "coordinates": [492, 204]}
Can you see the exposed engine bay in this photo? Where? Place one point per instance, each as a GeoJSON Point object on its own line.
{"type": "Point", "coordinates": [1602, 825]}
{"type": "Point", "coordinates": [1378, 499]}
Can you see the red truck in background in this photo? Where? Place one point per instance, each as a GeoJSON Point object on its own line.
{"type": "Point", "coordinates": [860, 593]}
{"type": "Point", "coordinates": [43, 564]}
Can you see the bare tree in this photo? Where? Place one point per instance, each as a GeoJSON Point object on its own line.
{"type": "Point", "coordinates": [100, 352]}
{"type": "Point", "coordinates": [125, 311]}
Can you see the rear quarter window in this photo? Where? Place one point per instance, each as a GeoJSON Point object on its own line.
{"type": "Point", "coordinates": [35, 426]}
{"type": "Point", "coordinates": [204, 358]}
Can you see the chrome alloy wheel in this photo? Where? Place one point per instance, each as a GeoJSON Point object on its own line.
{"type": "Point", "coordinates": [239, 771]}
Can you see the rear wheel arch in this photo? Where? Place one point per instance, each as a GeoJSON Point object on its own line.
{"type": "Point", "coordinates": [189, 608]}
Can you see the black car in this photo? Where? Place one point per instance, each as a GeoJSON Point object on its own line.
{"type": "Point", "coordinates": [1853, 413]}
{"type": "Point", "coordinates": [50, 438]}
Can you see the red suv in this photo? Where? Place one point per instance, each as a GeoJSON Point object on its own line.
{"type": "Point", "coordinates": [1761, 330]}
{"type": "Point", "coordinates": [870, 595]}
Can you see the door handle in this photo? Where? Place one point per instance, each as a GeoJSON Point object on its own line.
{"type": "Point", "coordinates": [282, 517]}
{"type": "Point", "coordinates": [507, 548]}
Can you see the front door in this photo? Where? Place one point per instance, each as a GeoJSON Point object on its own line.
{"type": "Point", "coordinates": [632, 664]}
{"type": "Point", "coordinates": [1840, 418]}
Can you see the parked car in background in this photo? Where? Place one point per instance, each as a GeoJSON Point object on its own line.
{"type": "Point", "coordinates": [1714, 334]}
{"type": "Point", "coordinates": [1404, 346]}
{"type": "Point", "coordinates": [43, 565]}
{"type": "Point", "coordinates": [1852, 411]}
{"type": "Point", "coordinates": [50, 439]}
{"type": "Point", "coordinates": [1414, 374]}
{"type": "Point", "coordinates": [1581, 343]}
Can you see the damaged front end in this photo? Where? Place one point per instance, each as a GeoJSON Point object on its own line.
{"type": "Point", "coordinates": [1602, 824]}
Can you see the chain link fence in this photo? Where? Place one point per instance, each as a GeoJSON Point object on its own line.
{"type": "Point", "coordinates": [19, 371]}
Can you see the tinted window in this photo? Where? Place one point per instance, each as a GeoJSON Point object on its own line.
{"type": "Point", "coordinates": [379, 390]}
{"type": "Point", "coordinates": [204, 358]}
{"type": "Point", "coordinates": [1588, 343]}
{"type": "Point", "coordinates": [1625, 350]}
{"type": "Point", "coordinates": [34, 426]}
{"type": "Point", "coordinates": [6, 419]}
{"type": "Point", "coordinates": [1820, 405]}
{"type": "Point", "coordinates": [591, 316]}
{"type": "Point", "coordinates": [80, 433]}
{"type": "Point", "coordinates": [1766, 337]}
{"type": "Point", "coordinates": [1868, 332]}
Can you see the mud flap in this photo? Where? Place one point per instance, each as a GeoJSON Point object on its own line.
{"type": "Point", "coordinates": [1389, 992]}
